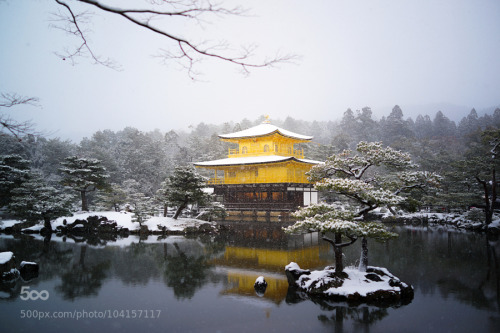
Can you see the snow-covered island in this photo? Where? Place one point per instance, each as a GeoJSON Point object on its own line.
{"type": "Point", "coordinates": [376, 285]}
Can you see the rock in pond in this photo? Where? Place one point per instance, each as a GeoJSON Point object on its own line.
{"type": "Point", "coordinates": [28, 270]}
{"type": "Point", "coordinates": [8, 270]}
{"type": "Point", "coordinates": [260, 286]}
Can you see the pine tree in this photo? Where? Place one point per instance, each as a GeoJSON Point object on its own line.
{"type": "Point", "coordinates": [13, 171]}
{"type": "Point", "coordinates": [114, 197]}
{"type": "Point", "coordinates": [36, 200]}
{"type": "Point", "coordinates": [184, 187]}
{"type": "Point", "coordinates": [83, 175]}
{"type": "Point", "coordinates": [354, 177]}
{"type": "Point", "coordinates": [484, 164]}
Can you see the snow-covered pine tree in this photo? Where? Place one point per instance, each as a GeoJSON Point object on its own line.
{"type": "Point", "coordinates": [35, 200]}
{"type": "Point", "coordinates": [373, 177]}
{"type": "Point", "coordinates": [143, 207]}
{"type": "Point", "coordinates": [113, 197]}
{"type": "Point", "coordinates": [83, 175]}
{"type": "Point", "coordinates": [13, 171]}
{"type": "Point", "coordinates": [184, 187]}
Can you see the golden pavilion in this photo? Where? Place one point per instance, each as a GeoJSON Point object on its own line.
{"type": "Point", "coordinates": [265, 172]}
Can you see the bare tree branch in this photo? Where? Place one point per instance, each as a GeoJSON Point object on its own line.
{"type": "Point", "coordinates": [18, 129]}
{"type": "Point", "coordinates": [8, 100]}
{"type": "Point", "coordinates": [72, 27]}
{"type": "Point", "coordinates": [187, 51]}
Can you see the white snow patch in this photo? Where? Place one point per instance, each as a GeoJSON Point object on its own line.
{"type": "Point", "coordinates": [23, 263]}
{"type": "Point", "coordinates": [124, 220]}
{"type": "Point", "coordinates": [5, 257]}
{"type": "Point", "coordinates": [7, 223]}
{"type": "Point", "coordinates": [36, 227]}
{"type": "Point", "coordinates": [260, 280]}
{"type": "Point", "coordinates": [356, 282]}
{"type": "Point", "coordinates": [292, 266]}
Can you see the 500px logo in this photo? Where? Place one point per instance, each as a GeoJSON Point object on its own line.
{"type": "Point", "coordinates": [33, 295]}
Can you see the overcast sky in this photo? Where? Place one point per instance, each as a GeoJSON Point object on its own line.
{"type": "Point", "coordinates": [422, 55]}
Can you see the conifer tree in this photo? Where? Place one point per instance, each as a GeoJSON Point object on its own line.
{"type": "Point", "coordinates": [83, 175]}
{"type": "Point", "coordinates": [36, 200]}
{"type": "Point", "coordinates": [185, 187]}
{"type": "Point", "coordinates": [355, 177]}
{"type": "Point", "coordinates": [13, 171]}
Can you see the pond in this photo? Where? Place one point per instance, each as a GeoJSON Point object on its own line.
{"type": "Point", "coordinates": [205, 284]}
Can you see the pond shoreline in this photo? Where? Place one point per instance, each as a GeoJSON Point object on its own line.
{"type": "Point", "coordinates": [100, 226]}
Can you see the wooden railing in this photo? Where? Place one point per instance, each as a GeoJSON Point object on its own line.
{"type": "Point", "coordinates": [298, 153]}
{"type": "Point", "coordinates": [258, 180]}
{"type": "Point", "coordinates": [283, 206]}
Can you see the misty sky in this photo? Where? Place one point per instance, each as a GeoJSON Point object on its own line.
{"type": "Point", "coordinates": [422, 55]}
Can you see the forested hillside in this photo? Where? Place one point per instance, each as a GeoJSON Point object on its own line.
{"type": "Point", "coordinates": [138, 162]}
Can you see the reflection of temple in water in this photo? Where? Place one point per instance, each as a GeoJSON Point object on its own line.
{"type": "Point", "coordinates": [243, 265]}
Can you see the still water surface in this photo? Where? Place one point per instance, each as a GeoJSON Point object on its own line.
{"type": "Point", "coordinates": [205, 284]}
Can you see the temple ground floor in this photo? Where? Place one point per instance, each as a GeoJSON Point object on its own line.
{"type": "Point", "coordinates": [264, 202]}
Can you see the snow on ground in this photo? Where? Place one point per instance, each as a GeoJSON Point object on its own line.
{"type": "Point", "coordinates": [8, 223]}
{"type": "Point", "coordinates": [495, 224]}
{"type": "Point", "coordinates": [357, 283]}
{"type": "Point", "coordinates": [123, 219]}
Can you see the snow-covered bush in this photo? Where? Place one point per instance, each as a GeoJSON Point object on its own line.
{"type": "Point", "coordinates": [475, 215]}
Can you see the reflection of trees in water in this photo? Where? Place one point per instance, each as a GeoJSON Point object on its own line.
{"type": "Point", "coordinates": [50, 257]}
{"type": "Point", "coordinates": [361, 317]}
{"type": "Point", "coordinates": [463, 265]}
{"type": "Point", "coordinates": [80, 280]}
{"type": "Point", "coordinates": [493, 274]}
{"type": "Point", "coordinates": [137, 263]}
{"type": "Point", "coordinates": [185, 274]}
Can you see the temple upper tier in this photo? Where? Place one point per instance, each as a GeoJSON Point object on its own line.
{"type": "Point", "coordinates": [264, 154]}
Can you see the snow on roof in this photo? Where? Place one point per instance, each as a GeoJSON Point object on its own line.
{"type": "Point", "coordinates": [262, 130]}
{"type": "Point", "coordinates": [254, 160]}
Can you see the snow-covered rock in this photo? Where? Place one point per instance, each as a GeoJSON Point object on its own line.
{"type": "Point", "coordinates": [260, 286]}
{"type": "Point", "coordinates": [28, 270]}
{"type": "Point", "coordinates": [377, 285]}
{"type": "Point", "coordinates": [8, 270]}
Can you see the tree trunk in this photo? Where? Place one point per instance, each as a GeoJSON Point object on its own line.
{"type": "Point", "coordinates": [489, 198]}
{"type": "Point", "coordinates": [46, 223]}
{"type": "Point", "coordinates": [180, 209]}
{"type": "Point", "coordinates": [165, 210]}
{"type": "Point", "coordinates": [337, 249]}
{"type": "Point", "coordinates": [489, 215]}
{"type": "Point", "coordinates": [363, 261]}
{"type": "Point", "coordinates": [85, 206]}
{"type": "Point", "coordinates": [339, 263]}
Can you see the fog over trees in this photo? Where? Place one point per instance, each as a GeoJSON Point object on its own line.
{"type": "Point", "coordinates": [137, 162]}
